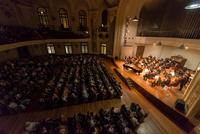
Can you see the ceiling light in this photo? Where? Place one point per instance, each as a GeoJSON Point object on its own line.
{"type": "Point", "coordinates": [182, 46]}
{"type": "Point", "coordinates": [193, 5]}
{"type": "Point", "coordinates": [157, 44]}
{"type": "Point", "coordinates": [135, 19]}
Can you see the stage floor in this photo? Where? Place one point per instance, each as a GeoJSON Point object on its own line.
{"type": "Point", "coordinates": [155, 123]}
{"type": "Point", "coordinates": [169, 97]}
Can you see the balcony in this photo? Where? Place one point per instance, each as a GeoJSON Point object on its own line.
{"type": "Point", "coordinates": [13, 34]}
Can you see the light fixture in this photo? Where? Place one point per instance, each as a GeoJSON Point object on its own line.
{"type": "Point", "coordinates": [172, 73]}
{"type": "Point", "coordinates": [135, 19]}
{"type": "Point", "coordinates": [182, 46]}
{"type": "Point", "coordinates": [193, 5]}
{"type": "Point", "coordinates": [157, 44]}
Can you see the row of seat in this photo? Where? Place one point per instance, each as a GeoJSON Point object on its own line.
{"type": "Point", "coordinates": [80, 82]}
{"type": "Point", "coordinates": [54, 81]}
{"type": "Point", "coordinates": [124, 120]}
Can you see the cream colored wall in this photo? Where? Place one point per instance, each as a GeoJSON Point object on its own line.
{"type": "Point", "coordinates": [152, 50]}
{"type": "Point", "coordinates": [192, 56]}
{"type": "Point", "coordinates": [126, 52]}
{"type": "Point", "coordinates": [170, 48]}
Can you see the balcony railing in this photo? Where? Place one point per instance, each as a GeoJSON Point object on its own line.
{"type": "Point", "coordinates": [187, 34]}
{"type": "Point", "coordinates": [12, 34]}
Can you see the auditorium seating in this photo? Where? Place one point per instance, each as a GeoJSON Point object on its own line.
{"type": "Point", "coordinates": [54, 81]}
{"type": "Point", "coordinates": [124, 120]}
{"type": "Point", "coordinates": [82, 80]}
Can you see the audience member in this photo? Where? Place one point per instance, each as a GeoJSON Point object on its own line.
{"type": "Point", "coordinates": [111, 121]}
{"type": "Point", "coordinates": [54, 81]}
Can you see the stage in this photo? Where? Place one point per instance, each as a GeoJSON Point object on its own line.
{"type": "Point", "coordinates": [164, 100]}
{"type": "Point", "coordinates": [169, 97]}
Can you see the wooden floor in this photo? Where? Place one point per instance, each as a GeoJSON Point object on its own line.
{"type": "Point", "coordinates": [169, 97]}
{"type": "Point", "coordinates": [155, 123]}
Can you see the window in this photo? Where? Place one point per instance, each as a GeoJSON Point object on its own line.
{"type": "Point", "coordinates": [50, 49]}
{"type": "Point", "coordinates": [103, 48]}
{"type": "Point", "coordinates": [68, 49]}
{"type": "Point", "coordinates": [82, 19]}
{"type": "Point", "coordinates": [64, 20]}
{"type": "Point", "coordinates": [42, 13]}
{"type": "Point", "coordinates": [84, 48]}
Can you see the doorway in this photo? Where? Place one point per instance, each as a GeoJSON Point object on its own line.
{"type": "Point", "coordinates": [140, 51]}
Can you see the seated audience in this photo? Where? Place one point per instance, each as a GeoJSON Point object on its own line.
{"type": "Point", "coordinates": [125, 120]}
{"type": "Point", "coordinates": [53, 81]}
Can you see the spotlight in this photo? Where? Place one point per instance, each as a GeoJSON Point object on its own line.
{"type": "Point", "coordinates": [193, 5]}
{"type": "Point", "coordinates": [135, 19]}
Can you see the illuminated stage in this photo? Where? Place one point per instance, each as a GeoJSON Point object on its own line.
{"type": "Point", "coordinates": [169, 97]}
{"type": "Point", "coordinates": [164, 100]}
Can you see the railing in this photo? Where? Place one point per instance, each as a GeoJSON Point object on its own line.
{"type": "Point", "coordinates": [187, 34]}
{"type": "Point", "coordinates": [13, 34]}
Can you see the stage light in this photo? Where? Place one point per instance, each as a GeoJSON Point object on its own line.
{"type": "Point", "coordinates": [193, 5]}
{"type": "Point", "coordinates": [156, 77]}
{"type": "Point", "coordinates": [157, 44]}
{"type": "Point", "coordinates": [135, 19]}
{"type": "Point", "coordinates": [173, 73]}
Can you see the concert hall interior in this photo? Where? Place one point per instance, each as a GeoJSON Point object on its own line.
{"type": "Point", "coordinates": [100, 66]}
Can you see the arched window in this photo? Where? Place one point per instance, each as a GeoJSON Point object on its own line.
{"type": "Point", "coordinates": [104, 17]}
{"type": "Point", "coordinates": [82, 19]}
{"type": "Point", "coordinates": [42, 13]}
{"type": "Point", "coordinates": [64, 20]}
